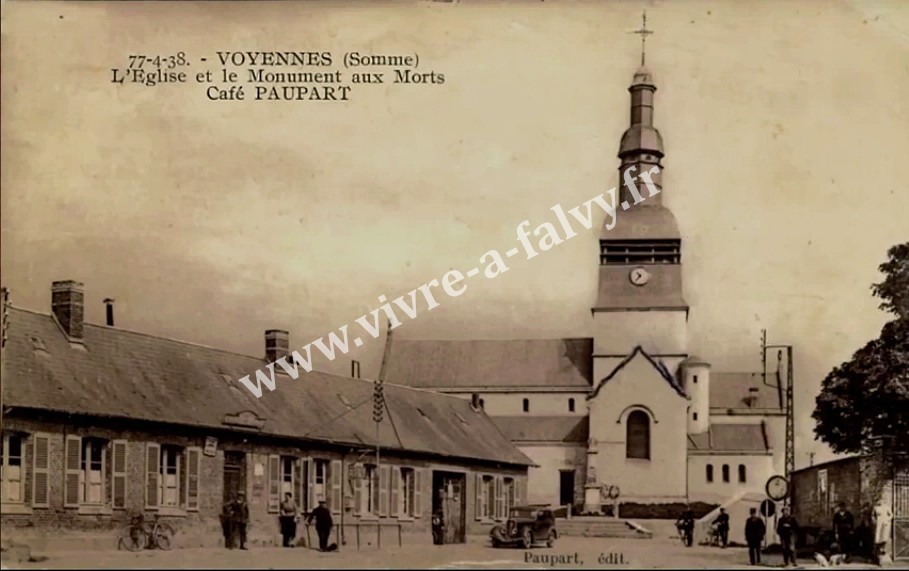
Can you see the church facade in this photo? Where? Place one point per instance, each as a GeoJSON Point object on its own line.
{"type": "Point", "coordinates": [630, 412]}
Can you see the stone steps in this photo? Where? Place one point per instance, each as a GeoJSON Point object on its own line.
{"type": "Point", "coordinates": [599, 527]}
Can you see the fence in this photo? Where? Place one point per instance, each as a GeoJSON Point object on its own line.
{"type": "Point", "coordinates": [363, 534]}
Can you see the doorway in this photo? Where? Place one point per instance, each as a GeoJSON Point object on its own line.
{"type": "Point", "coordinates": [234, 474]}
{"type": "Point", "coordinates": [449, 493]}
{"type": "Point", "coordinates": [566, 487]}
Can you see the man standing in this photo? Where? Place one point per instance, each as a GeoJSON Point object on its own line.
{"type": "Point", "coordinates": [754, 536]}
{"type": "Point", "coordinates": [843, 523]}
{"type": "Point", "coordinates": [288, 519]}
{"type": "Point", "coordinates": [240, 518]}
{"type": "Point", "coordinates": [323, 524]}
{"type": "Point", "coordinates": [685, 525]}
{"type": "Point", "coordinates": [227, 526]}
{"type": "Point", "coordinates": [722, 527]}
{"type": "Point", "coordinates": [787, 528]}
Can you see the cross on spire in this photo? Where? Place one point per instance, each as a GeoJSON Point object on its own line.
{"type": "Point", "coordinates": [643, 32]}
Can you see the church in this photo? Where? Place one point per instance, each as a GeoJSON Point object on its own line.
{"type": "Point", "coordinates": [628, 415]}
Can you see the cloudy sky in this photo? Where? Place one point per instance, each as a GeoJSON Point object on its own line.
{"type": "Point", "coordinates": [785, 126]}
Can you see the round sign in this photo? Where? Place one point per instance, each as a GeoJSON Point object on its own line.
{"type": "Point", "coordinates": [777, 488]}
{"type": "Point", "coordinates": [768, 508]}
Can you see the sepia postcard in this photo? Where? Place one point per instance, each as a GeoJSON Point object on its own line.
{"type": "Point", "coordinates": [454, 284]}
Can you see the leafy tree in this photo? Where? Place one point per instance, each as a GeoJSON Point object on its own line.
{"type": "Point", "coordinates": [869, 394]}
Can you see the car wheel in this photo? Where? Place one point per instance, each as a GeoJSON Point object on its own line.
{"type": "Point", "coordinates": [526, 538]}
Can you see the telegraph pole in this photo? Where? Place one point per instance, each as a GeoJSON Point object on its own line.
{"type": "Point", "coordinates": [4, 316]}
{"type": "Point", "coordinates": [788, 402]}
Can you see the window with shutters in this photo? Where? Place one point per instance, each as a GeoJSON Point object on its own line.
{"type": "Point", "coordinates": [171, 460]}
{"type": "Point", "coordinates": [288, 469]}
{"type": "Point", "coordinates": [92, 470]}
{"type": "Point", "coordinates": [489, 497]}
{"type": "Point", "coordinates": [725, 473]}
{"type": "Point", "coordinates": [742, 474]}
{"type": "Point", "coordinates": [509, 494]}
{"type": "Point", "coordinates": [369, 497]}
{"type": "Point", "coordinates": [12, 474]}
{"type": "Point", "coordinates": [320, 481]}
{"type": "Point", "coordinates": [406, 493]}
{"type": "Point", "coordinates": [709, 473]}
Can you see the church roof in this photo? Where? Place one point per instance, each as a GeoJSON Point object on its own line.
{"type": "Point", "coordinates": [744, 391]}
{"type": "Point", "coordinates": [544, 428]}
{"type": "Point", "coordinates": [658, 365]}
{"type": "Point", "coordinates": [513, 363]}
{"type": "Point", "coordinates": [731, 438]}
{"type": "Point", "coordinates": [127, 375]}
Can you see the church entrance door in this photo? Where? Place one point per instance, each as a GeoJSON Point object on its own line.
{"type": "Point", "coordinates": [566, 487]}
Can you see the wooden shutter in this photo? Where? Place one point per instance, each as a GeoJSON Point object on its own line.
{"type": "Point", "coordinates": [73, 472]}
{"type": "Point", "coordinates": [310, 485]}
{"type": "Point", "coordinates": [298, 479]}
{"type": "Point", "coordinates": [383, 490]}
{"type": "Point", "coordinates": [357, 489]}
{"type": "Point", "coordinates": [500, 497]}
{"type": "Point", "coordinates": [193, 474]}
{"type": "Point", "coordinates": [40, 471]}
{"type": "Point", "coordinates": [417, 492]}
{"type": "Point", "coordinates": [274, 483]}
{"type": "Point", "coordinates": [394, 492]}
{"type": "Point", "coordinates": [335, 496]}
{"type": "Point", "coordinates": [478, 488]}
{"type": "Point", "coordinates": [118, 474]}
{"type": "Point", "coordinates": [152, 475]}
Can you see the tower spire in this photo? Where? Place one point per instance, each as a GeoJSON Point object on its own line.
{"type": "Point", "coordinates": [643, 32]}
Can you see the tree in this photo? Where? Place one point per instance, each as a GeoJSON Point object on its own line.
{"type": "Point", "coordinates": [869, 394]}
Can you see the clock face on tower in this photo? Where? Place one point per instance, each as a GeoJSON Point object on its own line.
{"type": "Point", "coordinates": [639, 276]}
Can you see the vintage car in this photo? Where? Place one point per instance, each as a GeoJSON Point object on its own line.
{"type": "Point", "coordinates": [526, 527]}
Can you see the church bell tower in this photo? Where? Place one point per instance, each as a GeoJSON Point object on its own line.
{"type": "Point", "coordinates": [640, 299]}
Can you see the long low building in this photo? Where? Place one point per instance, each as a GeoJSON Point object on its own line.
{"type": "Point", "coordinates": [100, 423]}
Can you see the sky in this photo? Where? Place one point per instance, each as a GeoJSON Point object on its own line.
{"type": "Point", "coordinates": [784, 122]}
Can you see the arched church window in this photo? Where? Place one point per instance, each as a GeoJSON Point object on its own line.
{"type": "Point", "coordinates": [570, 405]}
{"type": "Point", "coordinates": [637, 441]}
{"type": "Point", "coordinates": [741, 473]}
{"type": "Point", "coordinates": [726, 472]}
{"type": "Point", "coordinates": [526, 404]}
{"type": "Point", "coordinates": [709, 473]}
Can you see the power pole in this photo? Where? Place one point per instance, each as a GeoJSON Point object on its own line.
{"type": "Point", "coordinates": [788, 402]}
{"type": "Point", "coordinates": [4, 317]}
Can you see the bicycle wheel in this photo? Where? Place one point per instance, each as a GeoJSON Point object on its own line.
{"type": "Point", "coordinates": [164, 535]}
{"type": "Point", "coordinates": [134, 539]}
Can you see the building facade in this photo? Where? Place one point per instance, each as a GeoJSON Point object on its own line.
{"type": "Point", "coordinates": [629, 410]}
{"type": "Point", "coordinates": [102, 423]}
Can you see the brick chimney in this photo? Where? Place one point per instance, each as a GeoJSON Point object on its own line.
{"type": "Point", "coordinates": [277, 344]}
{"type": "Point", "coordinates": [67, 304]}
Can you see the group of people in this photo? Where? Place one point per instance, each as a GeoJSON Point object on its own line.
{"type": "Point", "coordinates": [755, 530]}
{"type": "Point", "coordinates": [235, 519]}
{"type": "Point", "coordinates": [846, 538]}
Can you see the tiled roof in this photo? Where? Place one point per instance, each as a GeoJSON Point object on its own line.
{"type": "Point", "coordinates": [544, 428]}
{"type": "Point", "coordinates": [125, 374]}
{"type": "Point", "coordinates": [732, 391]}
{"type": "Point", "coordinates": [730, 438]}
{"type": "Point", "coordinates": [515, 363]}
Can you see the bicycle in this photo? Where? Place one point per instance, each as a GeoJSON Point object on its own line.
{"type": "Point", "coordinates": [140, 535]}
